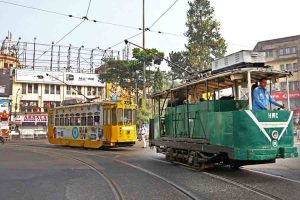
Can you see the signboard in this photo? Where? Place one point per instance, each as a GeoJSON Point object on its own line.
{"type": "Point", "coordinates": [5, 83]}
{"type": "Point", "coordinates": [35, 118]}
{"type": "Point", "coordinates": [4, 117]}
{"type": "Point", "coordinates": [61, 78]}
{"type": "Point", "coordinates": [82, 79]}
{"type": "Point", "coordinates": [31, 120]}
{"type": "Point", "coordinates": [281, 96]}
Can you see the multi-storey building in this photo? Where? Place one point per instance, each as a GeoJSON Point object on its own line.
{"type": "Point", "coordinates": [32, 90]}
{"type": "Point", "coordinates": [284, 54]}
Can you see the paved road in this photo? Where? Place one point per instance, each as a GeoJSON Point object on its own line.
{"type": "Point", "coordinates": [36, 170]}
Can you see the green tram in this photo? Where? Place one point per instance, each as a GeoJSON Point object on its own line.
{"type": "Point", "coordinates": [195, 125]}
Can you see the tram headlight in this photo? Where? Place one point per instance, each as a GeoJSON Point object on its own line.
{"type": "Point", "coordinates": [275, 134]}
{"type": "Point", "coordinates": [274, 143]}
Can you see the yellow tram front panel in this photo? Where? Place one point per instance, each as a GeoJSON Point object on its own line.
{"type": "Point", "coordinates": [119, 125]}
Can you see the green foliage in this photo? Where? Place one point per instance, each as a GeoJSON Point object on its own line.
{"type": "Point", "coordinates": [148, 56]}
{"type": "Point", "coordinates": [204, 40]}
{"type": "Point", "coordinates": [160, 81]}
{"type": "Point", "coordinates": [181, 59]}
{"type": "Point", "coordinates": [144, 114]}
{"type": "Point", "coordinates": [129, 74]}
{"type": "Point", "coordinates": [123, 73]}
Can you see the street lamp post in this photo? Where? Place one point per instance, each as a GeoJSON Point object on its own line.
{"type": "Point", "coordinates": [16, 104]}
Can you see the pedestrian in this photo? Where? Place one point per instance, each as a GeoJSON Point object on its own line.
{"type": "Point", "coordinates": [1, 139]}
{"type": "Point", "coordinates": [261, 97]}
{"type": "Point", "coordinates": [143, 132]}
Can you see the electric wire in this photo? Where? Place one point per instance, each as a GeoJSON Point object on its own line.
{"type": "Point", "coordinates": [72, 16]}
{"type": "Point", "coordinates": [88, 9]}
{"type": "Point", "coordinates": [62, 38]}
{"type": "Point", "coordinates": [163, 14]}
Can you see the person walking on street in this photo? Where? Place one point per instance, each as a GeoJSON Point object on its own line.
{"type": "Point", "coordinates": [143, 132]}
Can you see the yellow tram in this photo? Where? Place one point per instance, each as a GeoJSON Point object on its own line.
{"type": "Point", "coordinates": [93, 125]}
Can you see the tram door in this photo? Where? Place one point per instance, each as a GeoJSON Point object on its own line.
{"type": "Point", "coordinates": [107, 112]}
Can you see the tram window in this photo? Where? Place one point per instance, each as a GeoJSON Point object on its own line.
{"type": "Point", "coordinates": [114, 117]}
{"type": "Point", "coordinates": [72, 120]}
{"type": "Point", "coordinates": [96, 118]}
{"type": "Point", "coordinates": [104, 116]}
{"type": "Point", "coordinates": [120, 116]}
{"type": "Point", "coordinates": [134, 116]}
{"type": "Point", "coordinates": [83, 120]}
{"type": "Point", "coordinates": [62, 120]}
{"type": "Point", "coordinates": [56, 120]}
{"type": "Point", "coordinates": [128, 116]}
{"type": "Point", "coordinates": [108, 116]}
{"type": "Point", "coordinates": [77, 119]}
{"type": "Point", "coordinates": [90, 121]}
{"type": "Point", "coordinates": [67, 120]}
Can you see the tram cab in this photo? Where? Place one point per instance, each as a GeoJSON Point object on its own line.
{"type": "Point", "coordinates": [93, 125]}
{"type": "Point", "coordinates": [205, 121]}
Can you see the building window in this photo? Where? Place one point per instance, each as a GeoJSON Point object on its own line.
{"type": "Point", "coordinates": [50, 104]}
{"type": "Point", "coordinates": [35, 88]}
{"type": "Point", "coordinates": [293, 50]}
{"type": "Point", "coordinates": [99, 91]}
{"type": "Point", "coordinates": [57, 89]}
{"type": "Point", "coordinates": [52, 89]}
{"type": "Point", "coordinates": [297, 85]}
{"type": "Point", "coordinates": [28, 106]}
{"type": "Point", "coordinates": [89, 91]}
{"type": "Point", "coordinates": [291, 86]}
{"type": "Point", "coordinates": [29, 88]}
{"type": "Point", "coordinates": [68, 90]}
{"type": "Point", "coordinates": [74, 90]}
{"type": "Point", "coordinates": [23, 88]}
{"type": "Point", "coordinates": [283, 86]}
{"type": "Point", "coordinates": [269, 53]}
{"type": "Point", "coordinates": [289, 67]}
{"type": "Point", "coordinates": [282, 67]}
{"type": "Point", "coordinates": [295, 67]}
{"type": "Point", "coordinates": [94, 91]}
{"type": "Point", "coordinates": [79, 90]}
{"type": "Point", "coordinates": [46, 89]}
{"type": "Point", "coordinates": [287, 51]}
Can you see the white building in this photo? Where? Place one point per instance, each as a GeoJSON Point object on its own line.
{"type": "Point", "coordinates": [34, 92]}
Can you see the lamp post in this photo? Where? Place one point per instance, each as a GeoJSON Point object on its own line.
{"type": "Point", "coordinates": [16, 104]}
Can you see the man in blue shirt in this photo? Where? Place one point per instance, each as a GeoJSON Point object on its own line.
{"type": "Point", "coordinates": [261, 97]}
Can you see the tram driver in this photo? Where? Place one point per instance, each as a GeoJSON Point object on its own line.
{"type": "Point", "coordinates": [261, 97]}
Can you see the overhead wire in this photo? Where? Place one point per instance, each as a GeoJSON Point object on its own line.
{"type": "Point", "coordinates": [61, 38]}
{"type": "Point", "coordinates": [73, 16]}
{"type": "Point", "coordinates": [88, 9]}
{"type": "Point", "coordinates": [163, 14]}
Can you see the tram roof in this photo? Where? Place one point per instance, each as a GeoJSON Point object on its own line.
{"type": "Point", "coordinates": [257, 73]}
{"type": "Point", "coordinates": [104, 102]}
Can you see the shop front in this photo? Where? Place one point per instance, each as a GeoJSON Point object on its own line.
{"type": "Point", "coordinates": [34, 125]}
{"type": "Point", "coordinates": [294, 102]}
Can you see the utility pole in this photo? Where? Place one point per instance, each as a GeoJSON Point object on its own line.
{"type": "Point", "coordinates": [144, 67]}
{"type": "Point", "coordinates": [33, 64]}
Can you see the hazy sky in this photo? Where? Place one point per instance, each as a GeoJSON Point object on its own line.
{"type": "Point", "coordinates": [243, 22]}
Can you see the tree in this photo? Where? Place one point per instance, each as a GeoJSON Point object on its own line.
{"type": "Point", "coordinates": [161, 81]}
{"type": "Point", "coordinates": [179, 58]}
{"type": "Point", "coordinates": [204, 40]}
{"type": "Point", "coordinates": [129, 74]}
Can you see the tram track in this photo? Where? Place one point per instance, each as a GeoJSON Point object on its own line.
{"type": "Point", "coordinates": [229, 181]}
{"type": "Point", "coordinates": [180, 189]}
{"type": "Point", "coordinates": [113, 185]}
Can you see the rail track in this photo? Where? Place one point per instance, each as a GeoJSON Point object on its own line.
{"type": "Point", "coordinates": [114, 187]}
